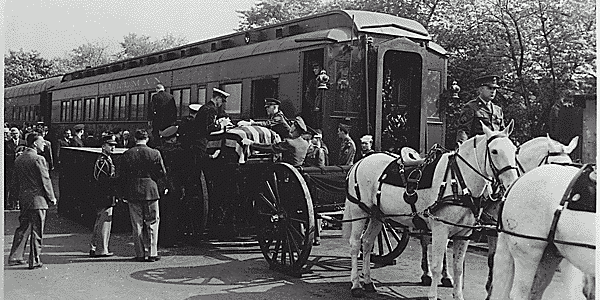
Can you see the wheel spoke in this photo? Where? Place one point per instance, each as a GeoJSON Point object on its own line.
{"type": "Point", "coordinates": [276, 189]}
{"type": "Point", "coordinates": [386, 237]}
{"type": "Point", "coordinates": [267, 202]}
{"type": "Point", "coordinates": [297, 232]}
{"type": "Point", "coordinates": [289, 246]}
{"type": "Point", "coordinates": [394, 233]}
{"type": "Point", "coordinates": [272, 194]}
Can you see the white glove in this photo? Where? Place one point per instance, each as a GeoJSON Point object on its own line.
{"type": "Point", "coordinates": [247, 142]}
{"type": "Point", "coordinates": [244, 123]}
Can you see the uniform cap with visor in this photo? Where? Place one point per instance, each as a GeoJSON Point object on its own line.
{"type": "Point", "coordinates": [271, 101]}
{"type": "Point", "coordinates": [221, 93]}
{"type": "Point", "coordinates": [489, 81]}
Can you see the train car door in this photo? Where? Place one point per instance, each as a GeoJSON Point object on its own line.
{"type": "Point", "coordinates": [398, 99]}
{"type": "Point", "coordinates": [313, 63]}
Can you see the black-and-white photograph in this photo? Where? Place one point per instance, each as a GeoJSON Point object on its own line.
{"type": "Point", "coordinates": [300, 149]}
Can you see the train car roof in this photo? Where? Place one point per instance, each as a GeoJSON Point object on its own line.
{"type": "Point", "coordinates": [31, 88]}
{"type": "Point", "coordinates": [350, 22]}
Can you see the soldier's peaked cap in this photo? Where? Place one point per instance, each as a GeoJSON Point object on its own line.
{"type": "Point", "coordinates": [271, 101]}
{"type": "Point", "coordinates": [109, 139]}
{"type": "Point", "coordinates": [488, 80]}
{"type": "Point", "coordinates": [221, 93]}
{"type": "Point", "coordinates": [195, 107]}
{"type": "Point", "coordinates": [169, 132]}
{"type": "Point", "coordinates": [79, 127]}
{"type": "Point", "coordinates": [300, 123]}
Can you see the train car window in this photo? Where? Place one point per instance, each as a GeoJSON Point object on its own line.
{"type": "Point", "coordinates": [182, 100]}
{"type": "Point", "coordinates": [234, 101]}
{"type": "Point", "coordinates": [65, 111]}
{"type": "Point", "coordinates": [90, 109]}
{"type": "Point", "coordinates": [118, 109]}
{"type": "Point", "coordinates": [77, 110]}
{"type": "Point", "coordinates": [261, 89]}
{"type": "Point", "coordinates": [201, 95]}
{"type": "Point", "coordinates": [36, 112]}
{"type": "Point", "coordinates": [103, 108]}
{"type": "Point", "coordinates": [137, 107]}
{"type": "Point", "coordinates": [15, 113]}
{"type": "Point", "coordinates": [431, 92]}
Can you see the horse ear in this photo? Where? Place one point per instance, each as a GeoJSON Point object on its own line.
{"type": "Point", "coordinates": [486, 130]}
{"type": "Point", "coordinates": [509, 129]}
{"type": "Point", "coordinates": [572, 145]}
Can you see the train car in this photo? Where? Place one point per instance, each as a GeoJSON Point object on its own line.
{"type": "Point", "coordinates": [29, 102]}
{"type": "Point", "coordinates": [379, 74]}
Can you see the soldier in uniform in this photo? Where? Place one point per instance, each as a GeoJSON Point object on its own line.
{"type": "Point", "coordinates": [480, 109]}
{"type": "Point", "coordinates": [277, 120]}
{"type": "Point", "coordinates": [347, 148]}
{"type": "Point", "coordinates": [186, 126]}
{"type": "Point", "coordinates": [205, 122]}
{"type": "Point", "coordinates": [77, 141]}
{"type": "Point", "coordinates": [105, 176]}
{"type": "Point", "coordinates": [366, 146]}
{"type": "Point", "coordinates": [293, 148]}
{"type": "Point", "coordinates": [172, 223]}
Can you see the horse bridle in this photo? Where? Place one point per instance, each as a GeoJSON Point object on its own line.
{"type": "Point", "coordinates": [543, 161]}
{"type": "Point", "coordinates": [495, 171]}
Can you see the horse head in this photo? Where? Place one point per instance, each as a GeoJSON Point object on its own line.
{"type": "Point", "coordinates": [543, 150]}
{"type": "Point", "coordinates": [500, 156]}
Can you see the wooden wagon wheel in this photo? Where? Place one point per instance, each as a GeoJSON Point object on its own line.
{"type": "Point", "coordinates": [390, 243]}
{"type": "Point", "coordinates": [285, 219]}
{"type": "Point", "coordinates": [200, 223]}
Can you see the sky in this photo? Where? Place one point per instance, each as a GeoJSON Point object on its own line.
{"type": "Point", "coordinates": [54, 27]}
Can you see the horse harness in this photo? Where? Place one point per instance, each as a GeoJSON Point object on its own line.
{"type": "Point", "coordinates": [543, 161]}
{"type": "Point", "coordinates": [413, 178]}
{"type": "Point", "coordinates": [571, 194]}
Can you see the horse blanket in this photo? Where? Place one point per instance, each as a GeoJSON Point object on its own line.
{"type": "Point", "coordinates": [232, 139]}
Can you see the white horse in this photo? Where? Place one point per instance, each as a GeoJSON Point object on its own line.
{"type": "Point", "coordinates": [531, 154]}
{"type": "Point", "coordinates": [525, 261]}
{"type": "Point", "coordinates": [478, 160]}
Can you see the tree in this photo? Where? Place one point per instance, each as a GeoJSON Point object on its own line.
{"type": "Point", "coordinates": [269, 12]}
{"type": "Point", "coordinates": [90, 55]}
{"type": "Point", "coordinates": [134, 45]}
{"type": "Point", "coordinates": [21, 67]}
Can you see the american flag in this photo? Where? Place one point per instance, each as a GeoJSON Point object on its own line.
{"type": "Point", "coordinates": [233, 137]}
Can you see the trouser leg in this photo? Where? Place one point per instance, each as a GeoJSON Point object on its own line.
{"type": "Point", "coordinates": [137, 222]}
{"type": "Point", "coordinates": [102, 227]}
{"type": "Point", "coordinates": [152, 220]}
{"type": "Point", "coordinates": [38, 217]}
{"type": "Point", "coordinates": [21, 237]}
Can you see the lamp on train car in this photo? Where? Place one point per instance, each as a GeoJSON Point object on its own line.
{"type": "Point", "coordinates": [455, 89]}
{"type": "Point", "coordinates": [322, 81]}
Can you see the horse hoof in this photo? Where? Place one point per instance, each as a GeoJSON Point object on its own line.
{"type": "Point", "coordinates": [425, 280]}
{"type": "Point", "coordinates": [447, 282]}
{"type": "Point", "coordinates": [369, 288]}
{"type": "Point", "coordinates": [357, 292]}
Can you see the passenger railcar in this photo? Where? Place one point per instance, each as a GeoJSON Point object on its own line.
{"type": "Point", "coordinates": [385, 78]}
{"type": "Point", "coordinates": [29, 102]}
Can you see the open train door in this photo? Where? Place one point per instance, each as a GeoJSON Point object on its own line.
{"type": "Point", "coordinates": [409, 81]}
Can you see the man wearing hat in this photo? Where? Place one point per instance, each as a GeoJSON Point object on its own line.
{"type": "Point", "coordinates": [480, 109]}
{"type": "Point", "coordinates": [105, 182]}
{"type": "Point", "coordinates": [186, 125]}
{"type": "Point", "coordinates": [172, 210]}
{"type": "Point", "coordinates": [77, 141]}
{"type": "Point", "coordinates": [293, 148]}
{"type": "Point", "coordinates": [164, 110]}
{"type": "Point", "coordinates": [205, 122]}
{"type": "Point", "coordinates": [277, 120]}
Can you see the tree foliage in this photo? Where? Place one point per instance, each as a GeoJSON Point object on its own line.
{"type": "Point", "coordinates": [134, 45]}
{"type": "Point", "coordinates": [21, 66]}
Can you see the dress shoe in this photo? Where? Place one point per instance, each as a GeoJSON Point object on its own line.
{"type": "Point", "coordinates": [16, 262]}
{"type": "Point", "coordinates": [153, 258]}
{"type": "Point", "coordinates": [36, 266]}
{"type": "Point", "coordinates": [139, 259]}
{"type": "Point", "coordinates": [109, 254]}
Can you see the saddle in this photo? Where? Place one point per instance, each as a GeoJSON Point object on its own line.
{"type": "Point", "coordinates": [410, 167]}
{"type": "Point", "coordinates": [583, 192]}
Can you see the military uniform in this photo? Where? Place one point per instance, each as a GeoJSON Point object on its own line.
{"type": "Point", "coordinates": [172, 225]}
{"type": "Point", "coordinates": [477, 110]}
{"type": "Point", "coordinates": [105, 176]}
{"type": "Point", "coordinates": [276, 122]}
{"type": "Point", "coordinates": [347, 152]}
{"type": "Point", "coordinates": [293, 150]}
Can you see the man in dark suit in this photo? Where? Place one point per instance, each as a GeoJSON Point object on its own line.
{"type": "Point", "coordinates": [77, 140]}
{"type": "Point", "coordinates": [164, 111]}
{"type": "Point", "coordinates": [11, 147]}
{"type": "Point", "coordinates": [205, 122]}
{"type": "Point", "coordinates": [141, 168]}
{"type": "Point", "coordinates": [32, 180]}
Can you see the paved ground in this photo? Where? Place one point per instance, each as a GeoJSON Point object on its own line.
{"type": "Point", "coordinates": [211, 272]}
